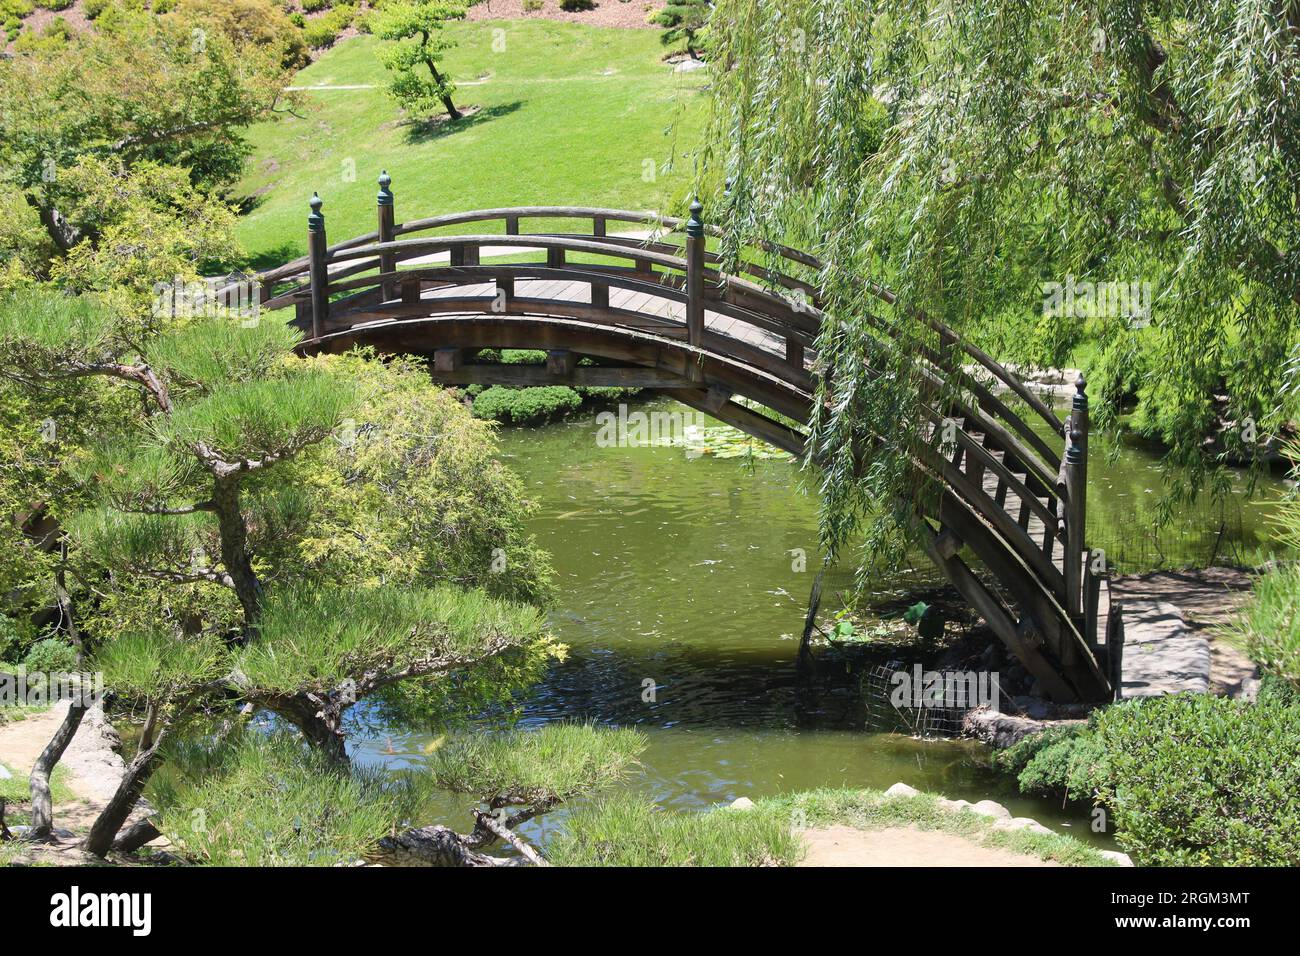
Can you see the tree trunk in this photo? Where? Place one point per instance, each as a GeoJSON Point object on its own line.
{"type": "Point", "coordinates": [104, 830]}
{"type": "Point", "coordinates": [454, 113]}
{"type": "Point", "coordinates": [234, 549]}
{"type": "Point", "coordinates": [320, 722]}
{"type": "Point", "coordinates": [42, 803]}
{"type": "Point", "coordinates": [136, 835]}
{"type": "Point", "coordinates": [62, 233]}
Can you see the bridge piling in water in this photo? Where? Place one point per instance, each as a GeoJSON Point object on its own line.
{"type": "Point", "coordinates": [1075, 468]}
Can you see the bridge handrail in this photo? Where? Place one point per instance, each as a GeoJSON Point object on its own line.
{"type": "Point", "coordinates": [673, 224]}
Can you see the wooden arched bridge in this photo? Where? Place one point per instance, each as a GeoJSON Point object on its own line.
{"type": "Point", "coordinates": [644, 300]}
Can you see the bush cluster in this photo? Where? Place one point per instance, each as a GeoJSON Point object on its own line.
{"type": "Point", "coordinates": [1189, 780]}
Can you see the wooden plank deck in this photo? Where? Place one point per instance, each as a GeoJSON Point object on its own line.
{"type": "Point", "coordinates": [675, 312]}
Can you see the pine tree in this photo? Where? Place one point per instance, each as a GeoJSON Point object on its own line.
{"type": "Point", "coordinates": [422, 22]}
{"type": "Point", "coordinates": [685, 20]}
{"type": "Point", "coordinates": [196, 491]}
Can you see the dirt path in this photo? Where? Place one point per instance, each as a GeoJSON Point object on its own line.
{"type": "Point", "coordinates": [904, 846]}
{"type": "Point", "coordinates": [92, 766]}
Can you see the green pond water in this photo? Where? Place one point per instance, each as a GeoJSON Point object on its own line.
{"type": "Point", "coordinates": [681, 570]}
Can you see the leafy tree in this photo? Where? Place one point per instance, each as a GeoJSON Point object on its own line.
{"type": "Point", "coordinates": [1104, 140]}
{"type": "Point", "coordinates": [137, 87]}
{"type": "Point", "coordinates": [203, 489]}
{"type": "Point", "coordinates": [423, 23]}
{"type": "Point", "coordinates": [685, 20]}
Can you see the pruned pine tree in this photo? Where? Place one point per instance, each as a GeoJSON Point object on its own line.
{"type": "Point", "coordinates": [685, 20]}
{"type": "Point", "coordinates": [181, 496]}
{"type": "Point", "coordinates": [415, 30]}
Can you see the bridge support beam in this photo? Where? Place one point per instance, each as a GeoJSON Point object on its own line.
{"type": "Point", "coordinates": [1075, 478]}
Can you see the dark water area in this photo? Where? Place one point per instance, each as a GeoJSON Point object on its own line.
{"type": "Point", "coordinates": [681, 572]}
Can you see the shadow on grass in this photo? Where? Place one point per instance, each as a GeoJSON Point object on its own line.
{"type": "Point", "coordinates": [420, 131]}
{"type": "Point", "coordinates": [270, 258]}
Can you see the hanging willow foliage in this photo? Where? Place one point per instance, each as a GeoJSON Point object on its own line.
{"type": "Point", "coordinates": [965, 154]}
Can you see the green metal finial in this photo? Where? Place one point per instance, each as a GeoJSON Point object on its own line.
{"type": "Point", "coordinates": [1080, 395]}
{"type": "Point", "coordinates": [316, 221]}
{"type": "Point", "coordinates": [695, 225]}
{"type": "Point", "coordinates": [1074, 454]}
{"type": "Point", "coordinates": [385, 197]}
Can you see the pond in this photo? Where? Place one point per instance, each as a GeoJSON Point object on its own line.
{"type": "Point", "coordinates": [680, 573]}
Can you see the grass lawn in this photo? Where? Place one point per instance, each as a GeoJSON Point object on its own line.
{"type": "Point", "coordinates": [567, 114]}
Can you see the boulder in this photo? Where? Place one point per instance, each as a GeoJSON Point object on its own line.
{"type": "Point", "coordinates": [742, 803]}
{"type": "Point", "coordinates": [990, 808]}
{"type": "Point", "coordinates": [1023, 823]}
{"type": "Point", "coordinates": [1121, 858]}
{"type": "Point", "coordinates": [902, 790]}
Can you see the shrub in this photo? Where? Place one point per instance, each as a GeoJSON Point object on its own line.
{"type": "Point", "coordinates": [1199, 780]}
{"type": "Point", "coordinates": [532, 6]}
{"type": "Point", "coordinates": [50, 656]}
{"type": "Point", "coordinates": [9, 639]}
{"type": "Point", "coordinates": [93, 8]}
{"type": "Point", "coordinates": [576, 6]}
{"type": "Point", "coordinates": [1270, 624]}
{"type": "Point", "coordinates": [311, 6]}
{"type": "Point", "coordinates": [524, 406]}
{"type": "Point", "coordinates": [319, 34]}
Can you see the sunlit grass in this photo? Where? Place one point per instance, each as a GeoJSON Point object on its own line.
{"type": "Point", "coordinates": [567, 114]}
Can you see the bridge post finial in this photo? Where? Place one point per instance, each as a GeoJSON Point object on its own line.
{"type": "Point", "coordinates": [1080, 392]}
{"type": "Point", "coordinates": [695, 225]}
{"type": "Point", "coordinates": [385, 197]}
{"type": "Point", "coordinates": [316, 219]}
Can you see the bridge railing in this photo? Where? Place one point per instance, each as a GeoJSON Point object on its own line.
{"type": "Point", "coordinates": [801, 295]}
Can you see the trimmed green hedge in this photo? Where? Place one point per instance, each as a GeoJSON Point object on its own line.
{"type": "Point", "coordinates": [526, 406]}
{"type": "Point", "coordinates": [1189, 780]}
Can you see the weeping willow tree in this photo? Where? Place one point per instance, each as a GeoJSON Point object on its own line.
{"type": "Point", "coordinates": [970, 155]}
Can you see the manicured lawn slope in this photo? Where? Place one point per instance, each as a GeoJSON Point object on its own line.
{"type": "Point", "coordinates": [568, 114]}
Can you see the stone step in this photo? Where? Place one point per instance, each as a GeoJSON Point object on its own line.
{"type": "Point", "coordinates": [1162, 655]}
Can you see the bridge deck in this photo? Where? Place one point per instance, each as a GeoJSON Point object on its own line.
{"type": "Point", "coordinates": [672, 313]}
